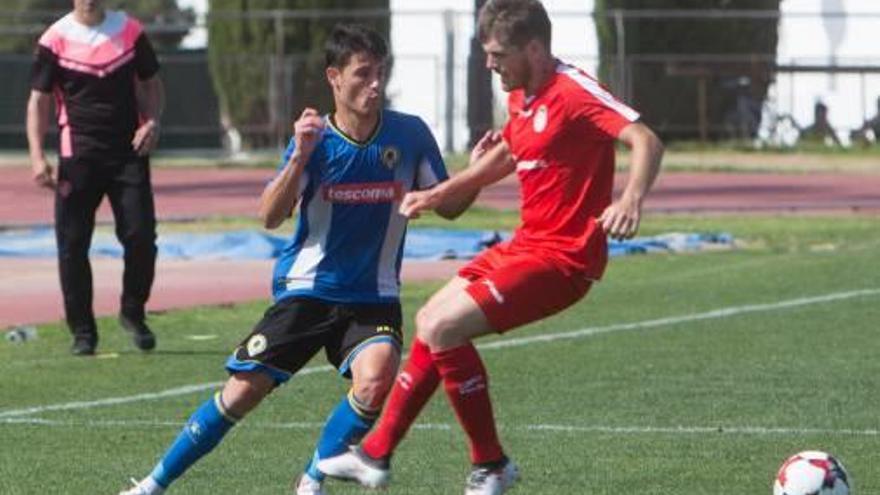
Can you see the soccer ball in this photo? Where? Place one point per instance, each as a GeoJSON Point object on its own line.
{"type": "Point", "coordinates": [811, 473]}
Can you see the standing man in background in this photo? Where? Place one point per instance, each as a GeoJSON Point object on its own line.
{"type": "Point", "coordinates": [101, 70]}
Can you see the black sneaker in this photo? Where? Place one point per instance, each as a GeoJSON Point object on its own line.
{"type": "Point", "coordinates": [141, 335]}
{"type": "Point", "coordinates": [84, 345]}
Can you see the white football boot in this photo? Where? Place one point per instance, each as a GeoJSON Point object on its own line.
{"type": "Point", "coordinates": [485, 481]}
{"type": "Point", "coordinates": [356, 466]}
{"type": "Point", "coordinates": [306, 485]}
{"type": "Point", "coordinates": [146, 486]}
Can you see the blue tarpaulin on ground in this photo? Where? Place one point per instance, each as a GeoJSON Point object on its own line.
{"type": "Point", "coordinates": [423, 244]}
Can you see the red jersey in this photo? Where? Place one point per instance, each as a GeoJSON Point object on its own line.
{"type": "Point", "coordinates": [562, 139]}
{"type": "Point", "coordinates": [91, 71]}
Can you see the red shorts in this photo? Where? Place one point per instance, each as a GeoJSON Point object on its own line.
{"type": "Point", "coordinates": [513, 289]}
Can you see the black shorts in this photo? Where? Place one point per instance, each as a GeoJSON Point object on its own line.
{"type": "Point", "coordinates": [293, 330]}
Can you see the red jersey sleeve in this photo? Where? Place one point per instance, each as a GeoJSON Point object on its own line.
{"type": "Point", "coordinates": [591, 101]}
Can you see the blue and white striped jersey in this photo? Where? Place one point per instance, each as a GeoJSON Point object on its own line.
{"type": "Point", "coordinates": [348, 243]}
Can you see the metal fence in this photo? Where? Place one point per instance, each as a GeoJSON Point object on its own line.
{"type": "Point", "coordinates": [826, 57]}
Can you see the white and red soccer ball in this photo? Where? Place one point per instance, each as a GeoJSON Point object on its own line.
{"type": "Point", "coordinates": [811, 473]}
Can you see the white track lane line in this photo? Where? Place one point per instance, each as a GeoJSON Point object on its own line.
{"type": "Point", "coordinates": [515, 342]}
{"type": "Point", "coordinates": [543, 428]}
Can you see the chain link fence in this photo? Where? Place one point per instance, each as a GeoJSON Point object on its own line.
{"type": "Point", "coordinates": [765, 98]}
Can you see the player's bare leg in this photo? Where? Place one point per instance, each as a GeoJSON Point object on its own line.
{"type": "Point", "coordinates": [368, 464]}
{"type": "Point", "coordinates": [445, 327]}
{"type": "Point", "coordinates": [373, 370]}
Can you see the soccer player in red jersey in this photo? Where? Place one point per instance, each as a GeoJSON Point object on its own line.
{"type": "Point", "coordinates": [559, 139]}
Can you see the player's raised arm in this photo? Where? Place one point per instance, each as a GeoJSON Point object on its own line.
{"type": "Point", "coordinates": [621, 219]}
{"type": "Point", "coordinates": [280, 196]}
{"type": "Point", "coordinates": [490, 162]}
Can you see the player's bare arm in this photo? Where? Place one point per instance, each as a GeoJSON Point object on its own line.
{"type": "Point", "coordinates": [39, 113]}
{"type": "Point", "coordinates": [281, 195]}
{"type": "Point", "coordinates": [490, 162]}
{"type": "Point", "coordinates": [150, 96]}
{"type": "Point", "coordinates": [621, 219]}
{"type": "Point", "coordinates": [455, 206]}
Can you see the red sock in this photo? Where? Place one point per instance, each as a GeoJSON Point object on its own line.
{"type": "Point", "coordinates": [411, 391]}
{"type": "Point", "coordinates": [467, 386]}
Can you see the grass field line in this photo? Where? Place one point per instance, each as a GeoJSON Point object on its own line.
{"type": "Point", "coordinates": [111, 401]}
{"type": "Point", "coordinates": [672, 320]}
{"type": "Point", "coordinates": [551, 428]}
{"type": "Point", "coordinates": [514, 342]}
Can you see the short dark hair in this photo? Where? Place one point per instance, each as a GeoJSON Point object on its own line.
{"type": "Point", "coordinates": [347, 39]}
{"type": "Point", "coordinates": [514, 22]}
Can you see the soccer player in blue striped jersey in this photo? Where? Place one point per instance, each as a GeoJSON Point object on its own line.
{"type": "Point", "coordinates": [336, 284]}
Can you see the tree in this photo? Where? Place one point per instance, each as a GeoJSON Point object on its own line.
{"type": "Point", "coordinates": [720, 64]}
{"type": "Point", "coordinates": [169, 23]}
{"type": "Point", "coordinates": [267, 59]}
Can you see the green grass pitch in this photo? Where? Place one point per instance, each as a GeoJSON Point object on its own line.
{"type": "Point", "coordinates": [678, 374]}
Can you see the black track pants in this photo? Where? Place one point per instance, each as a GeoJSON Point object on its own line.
{"type": "Point", "coordinates": [82, 184]}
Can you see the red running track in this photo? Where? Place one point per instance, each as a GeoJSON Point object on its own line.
{"type": "Point", "coordinates": [200, 192]}
{"type": "Point", "coordinates": [29, 291]}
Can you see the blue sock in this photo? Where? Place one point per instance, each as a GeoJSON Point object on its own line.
{"type": "Point", "coordinates": [201, 433]}
{"type": "Point", "coordinates": [347, 424]}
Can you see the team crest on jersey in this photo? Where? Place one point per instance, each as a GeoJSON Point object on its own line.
{"type": "Point", "coordinates": [539, 122]}
{"type": "Point", "coordinates": [257, 344]}
{"type": "Point", "coordinates": [390, 157]}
